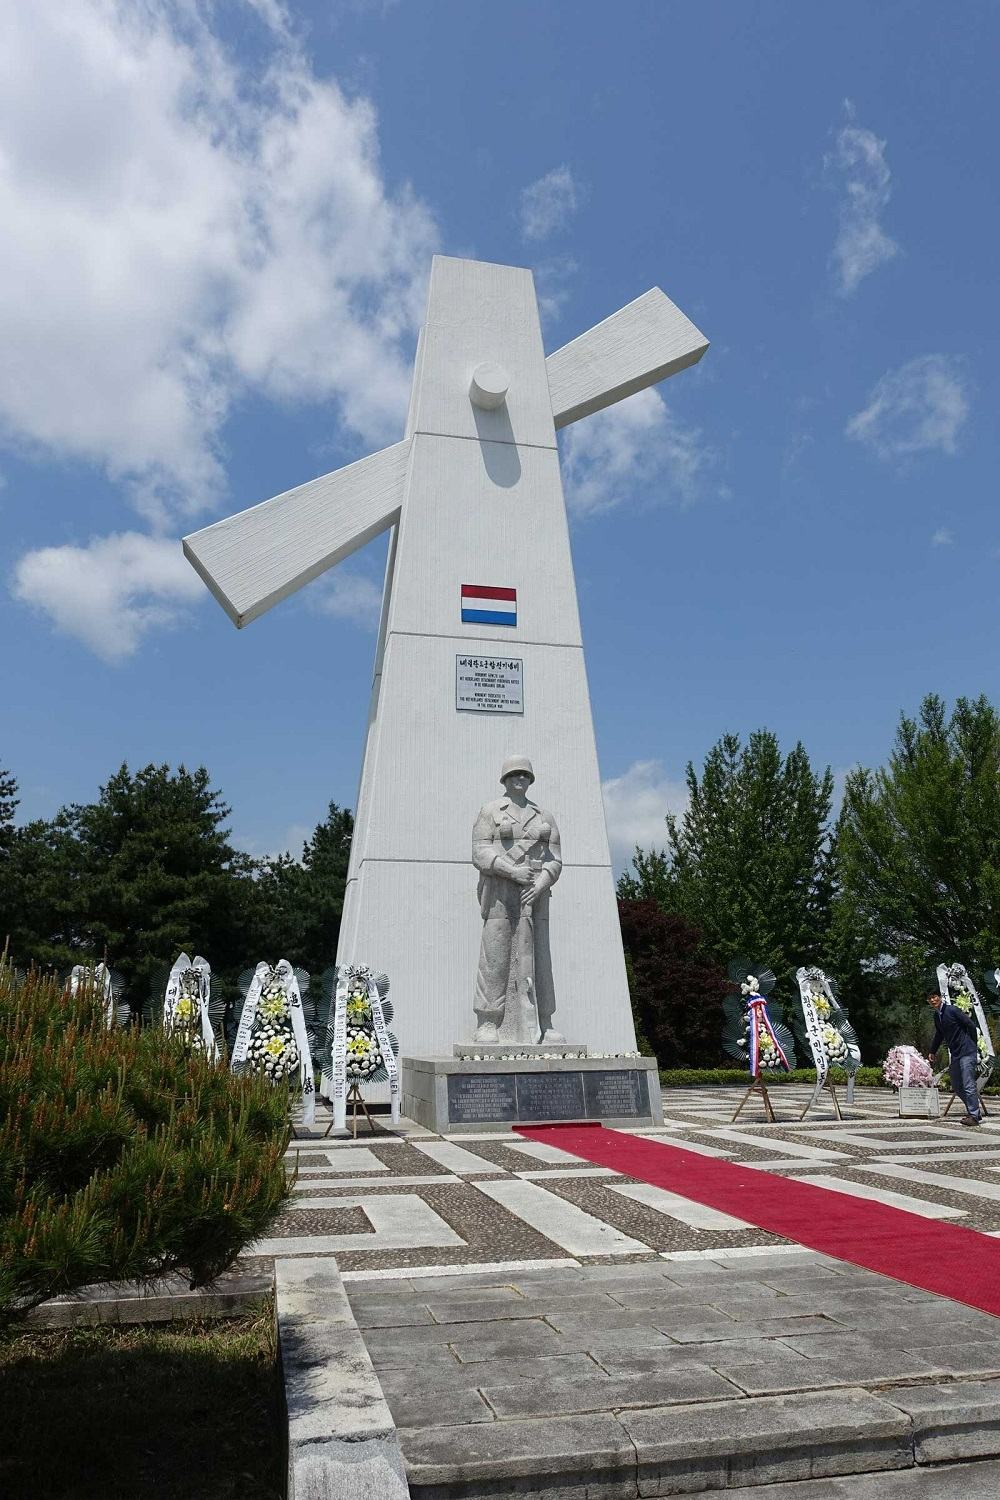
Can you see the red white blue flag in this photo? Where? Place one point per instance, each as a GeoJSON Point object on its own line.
{"type": "Point", "coordinates": [485, 604]}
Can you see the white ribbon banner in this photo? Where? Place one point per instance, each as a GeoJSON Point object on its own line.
{"type": "Point", "coordinates": [385, 1047]}
{"type": "Point", "coordinates": [249, 1014]}
{"type": "Point", "coordinates": [807, 979]}
{"type": "Point", "coordinates": [338, 1051]}
{"type": "Point", "coordinates": [306, 1080]}
{"type": "Point", "coordinates": [102, 977]}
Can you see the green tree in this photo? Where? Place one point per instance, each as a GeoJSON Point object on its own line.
{"type": "Point", "coordinates": [919, 851]}
{"type": "Point", "coordinates": [8, 807]}
{"type": "Point", "coordinates": [44, 893]}
{"type": "Point", "coordinates": [300, 904]}
{"type": "Point", "coordinates": [750, 861]}
{"type": "Point", "coordinates": [160, 875]}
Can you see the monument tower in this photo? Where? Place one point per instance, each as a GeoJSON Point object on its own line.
{"type": "Point", "coordinates": [479, 655]}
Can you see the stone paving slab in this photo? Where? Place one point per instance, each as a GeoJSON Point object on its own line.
{"type": "Point", "coordinates": [600, 1392]}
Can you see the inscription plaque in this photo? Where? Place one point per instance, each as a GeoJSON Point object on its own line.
{"type": "Point", "coordinates": [489, 684]}
{"type": "Point", "coordinates": [481, 1097]}
{"type": "Point", "coordinates": [550, 1096]}
{"type": "Point", "coordinates": [575, 1094]}
{"type": "Point", "coordinates": [613, 1094]}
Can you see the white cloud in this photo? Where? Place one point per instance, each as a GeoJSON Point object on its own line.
{"type": "Point", "coordinates": [111, 592]}
{"type": "Point", "coordinates": [553, 279]}
{"type": "Point", "coordinates": [918, 408]}
{"type": "Point", "coordinates": [864, 183]}
{"type": "Point", "coordinates": [636, 447]}
{"type": "Point", "coordinates": [181, 228]}
{"type": "Point", "coordinates": [635, 805]}
{"type": "Point", "coordinates": [347, 596]}
{"type": "Point", "coordinates": [942, 537]}
{"type": "Point", "coordinates": [548, 204]}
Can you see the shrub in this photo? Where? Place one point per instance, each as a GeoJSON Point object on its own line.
{"type": "Point", "coordinates": [122, 1157]}
{"type": "Point", "coordinates": [676, 993]}
{"type": "Point", "coordinates": [686, 1078]}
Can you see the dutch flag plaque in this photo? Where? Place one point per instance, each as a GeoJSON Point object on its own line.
{"type": "Point", "coordinates": [485, 604]}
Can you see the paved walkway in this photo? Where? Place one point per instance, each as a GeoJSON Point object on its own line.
{"type": "Point", "coordinates": [529, 1314]}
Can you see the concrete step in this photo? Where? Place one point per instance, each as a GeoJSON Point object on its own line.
{"type": "Point", "coordinates": [673, 1450]}
{"type": "Point", "coordinates": [853, 1445]}
{"type": "Point", "coordinates": [967, 1481]}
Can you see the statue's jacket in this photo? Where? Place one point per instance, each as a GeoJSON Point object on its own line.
{"type": "Point", "coordinates": [511, 834]}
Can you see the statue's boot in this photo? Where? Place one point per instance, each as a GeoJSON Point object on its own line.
{"type": "Point", "coordinates": [551, 1036]}
{"type": "Point", "coordinates": [487, 1032]}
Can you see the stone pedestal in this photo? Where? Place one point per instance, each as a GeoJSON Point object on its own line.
{"type": "Point", "coordinates": [449, 1094]}
{"type": "Point", "coordinates": [497, 1051]}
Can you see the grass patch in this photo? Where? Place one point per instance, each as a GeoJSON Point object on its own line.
{"type": "Point", "coordinates": [177, 1411]}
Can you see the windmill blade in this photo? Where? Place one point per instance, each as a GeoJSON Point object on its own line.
{"type": "Point", "coordinates": [258, 557]}
{"type": "Point", "coordinates": [636, 347]}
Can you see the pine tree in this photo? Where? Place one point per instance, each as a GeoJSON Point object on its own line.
{"type": "Point", "coordinates": [161, 876]}
{"type": "Point", "coordinates": [122, 1156]}
{"type": "Point", "coordinates": [750, 862]}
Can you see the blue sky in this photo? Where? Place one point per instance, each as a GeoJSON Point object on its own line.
{"type": "Point", "coordinates": [217, 230]}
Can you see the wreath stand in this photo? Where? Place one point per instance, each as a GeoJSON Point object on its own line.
{"type": "Point", "coordinates": [833, 1095]}
{"type": "Point", "coordinates": [354, 1098]}
{"type": "Point", "coordinates": [954, 1096]}
{"type": "Point", "coordinates": [757, 1083]}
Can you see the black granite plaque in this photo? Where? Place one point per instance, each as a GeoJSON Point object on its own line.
{"type": "Point", "coordinates": [616, 1094]}
{"type": "Point", "coordinates": [479, 1098]}
{"type": "Point", "coordinates": [550, 1096]}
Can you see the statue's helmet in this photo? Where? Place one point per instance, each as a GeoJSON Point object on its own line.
{"type": "Point", "coordinates": [515, 763]}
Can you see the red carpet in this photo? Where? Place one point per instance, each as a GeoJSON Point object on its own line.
{"type": "Point", "coordinates": [962, 1264]}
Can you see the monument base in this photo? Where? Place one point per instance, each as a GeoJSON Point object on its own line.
{"type": "Point", "coordinates": [450, 1094]}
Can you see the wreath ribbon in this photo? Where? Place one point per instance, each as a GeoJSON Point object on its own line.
{"type": "Point", "coordinates": [338, 1051]}
{"type": "Point", "coordinates": [385, 1047]}
{"type": "Point", "coordinates": [761, 1021]}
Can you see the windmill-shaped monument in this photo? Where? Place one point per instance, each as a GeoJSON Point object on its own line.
{"type": "Point", "coordinates": [479, 654]}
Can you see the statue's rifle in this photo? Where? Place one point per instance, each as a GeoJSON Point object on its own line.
{"type": "Point", "coordinates": [524, 948]}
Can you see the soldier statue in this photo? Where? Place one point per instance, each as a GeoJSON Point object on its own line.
{"type": "Point", "coordinates": [515, 848]}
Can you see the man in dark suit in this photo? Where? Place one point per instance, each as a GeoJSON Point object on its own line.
{"type": "Point", "coordinates": [959, 1032]}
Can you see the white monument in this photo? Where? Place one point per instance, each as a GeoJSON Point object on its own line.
{"type": "Point", "coordinates": [479, 654]}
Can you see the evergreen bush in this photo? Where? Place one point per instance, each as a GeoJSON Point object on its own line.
{"type": "Point", "coordinates": [122, 1156]}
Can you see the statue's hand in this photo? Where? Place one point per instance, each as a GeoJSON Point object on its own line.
{"type": "Point", "coordinates": [521, 875]}
{"type": "Point", "coordinates": [539, 885]}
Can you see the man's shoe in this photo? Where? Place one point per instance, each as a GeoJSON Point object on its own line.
{"type": "Point", "coordinates": [969, 1120]}
{"type": "Point", "coordinates": [487, 1033]}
